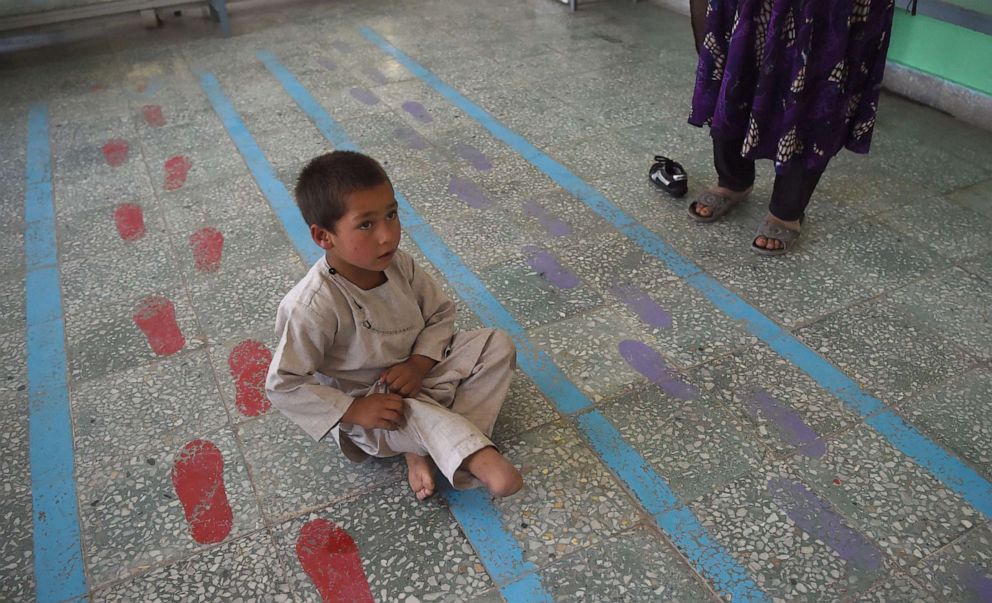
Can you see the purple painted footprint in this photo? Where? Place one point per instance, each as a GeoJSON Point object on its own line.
{"type": "Point", "coordinates": [551, 224]}
{"type": "Point", "coordinates": [473, 156]}
{"type": "Point", "coordinates": [375, 75]}
{"type": "Point", "coordinates": [550, 268]}
{"type": "Point", "coordinates": [327, 63]}
{"type": "Point", "coordinates": [342, 47]}
{"type": "Point", "coordinates": [975, 582]}
{"type": "Point", "coordinates": [418, 111]}
{"type": "Point", "coordinates": [467, 191]}
{"type": "Point", "coordinates": [649, 363]}
{"type": "Point", "coordinates": [817, 518]}
{"type": "Point", "coordinates": [786, 422]}
{"type": "Point", "coordinates": [411, 137]}
{"type": "Point", "coordinates": [364, 95]}
{"type": "Point", "coordinates": [642, 305]}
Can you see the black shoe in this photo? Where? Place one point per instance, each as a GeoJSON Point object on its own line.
{"type": "Point", "coordinates": [669, 176]}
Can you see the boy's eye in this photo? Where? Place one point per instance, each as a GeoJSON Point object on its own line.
{"type": "Point", "coordinates": [392, 215]}
{"type": "Point", "coordinates": [365, 225]}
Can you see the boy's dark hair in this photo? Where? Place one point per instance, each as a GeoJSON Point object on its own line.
{"type": "Point", "coordinates": [325, 183]}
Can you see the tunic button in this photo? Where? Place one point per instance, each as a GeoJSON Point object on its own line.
{"type": "Point", "coordinates": [367, 324]}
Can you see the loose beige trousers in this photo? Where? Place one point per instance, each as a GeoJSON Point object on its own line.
{"type": "Point", "coordinates": [454, 413]}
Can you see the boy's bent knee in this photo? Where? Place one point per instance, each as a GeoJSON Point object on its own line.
{"type": "Point", "coordinates": [503, 345]}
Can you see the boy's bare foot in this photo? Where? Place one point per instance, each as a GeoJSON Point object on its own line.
{"type": "Point", "coordinates": [420, 474]}
{"type": "Point", "coordinates": [492, 469]}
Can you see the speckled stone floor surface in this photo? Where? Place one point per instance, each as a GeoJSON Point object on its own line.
{"type": "Point", "coordinates": [695, 422]}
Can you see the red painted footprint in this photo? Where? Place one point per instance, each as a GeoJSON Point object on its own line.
{"type": "Point", "coordinates": [115, 152]}
{"type": "Point", "coordinates": [198, 477]}
{"type": "Point", "coordinates": [207, 245]}
{"type": "Point", "coordinates": [156, 317]}
{"type": "Point", "coordinates": [153, 115]}
{"type": "Point", "coordinates": [130, 221]}
{"type": "Point", "coordinates": [249, 362]}
{"type": "Point", "coordinates": [331, 560]}
{"type": "Point", "coordinates": [176, 169]}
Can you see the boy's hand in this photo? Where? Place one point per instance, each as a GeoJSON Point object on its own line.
{"type": "Point", "coordinates": [406, 377]}
{"type": "Point", "coordinates": [377, 411]}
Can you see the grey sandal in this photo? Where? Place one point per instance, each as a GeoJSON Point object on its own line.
{"type": "Point", "coordinates": [720, 205]}
{"type": "Point", "coordinates": [774, 230]}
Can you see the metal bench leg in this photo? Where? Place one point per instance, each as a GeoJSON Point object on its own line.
{"type": "Point", "coordinates": [218, 8]}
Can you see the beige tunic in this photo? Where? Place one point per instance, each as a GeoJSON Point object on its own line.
{"type": "Point", "coordinates": [336, 340]}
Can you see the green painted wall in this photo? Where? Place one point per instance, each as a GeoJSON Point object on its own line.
{"type": "Point", "coordinates": [947, 51]}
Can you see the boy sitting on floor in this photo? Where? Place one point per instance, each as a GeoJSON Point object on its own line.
{"type": "Point", "coordinates": [367, 348]}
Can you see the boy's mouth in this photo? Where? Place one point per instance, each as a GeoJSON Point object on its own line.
{"type": "Point", "coordinates": [387, 255]}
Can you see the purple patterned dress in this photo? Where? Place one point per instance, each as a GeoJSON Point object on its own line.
{"type": "Point", "coordinates": [795, 80]}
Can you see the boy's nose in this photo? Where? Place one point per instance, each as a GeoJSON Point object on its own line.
{"type": "Point", "coordinates": [387, 236]}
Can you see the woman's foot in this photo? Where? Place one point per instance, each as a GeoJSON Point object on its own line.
{"type": "Point", "coordinates": [492, 469]}
{"type": "Point", "coordinates": [420, 474]}
{"type": "Point", "coordinates": [773, 244]}
{"type": "Point", "coordinates": [715, 202]}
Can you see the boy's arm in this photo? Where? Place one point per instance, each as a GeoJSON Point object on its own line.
{"type": "Point", "coordinates": [439, 316]}
{"type": "Point", "coordinates": [292, 384]}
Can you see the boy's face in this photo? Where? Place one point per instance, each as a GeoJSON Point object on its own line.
{"type": "Point", "coordinates": [365, 239]}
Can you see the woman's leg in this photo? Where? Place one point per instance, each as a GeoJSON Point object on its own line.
{"type": "Point", "coordinates": [735, 177]}
{"type": "Point", "coordinates": [793, 189]}
{"type": "Point", "coordinates": [734, 172]}
{"type": "Point", "coordinates": [697, 16]}
{"type": "Point", "coordinates": [792, 192]}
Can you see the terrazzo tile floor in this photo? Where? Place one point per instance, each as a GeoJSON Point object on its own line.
{"type": "Point", "coordinates": [782, 491]}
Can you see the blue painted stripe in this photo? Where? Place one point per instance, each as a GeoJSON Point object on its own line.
{"type": "Point", "coordinates": [498, 550]}
{"type": "Point", "coordinates": [58, 559]}
{"type": "Point", "coordinates": [552, 382]}
{"type": "Point", "coordinates": [672, 516]}
{"type": "Point", "coordinates": [905, 436]}
{"type": "Point", "coordinates": [279, 198]}
{"type": "Point", "coordinates": [946, 467]}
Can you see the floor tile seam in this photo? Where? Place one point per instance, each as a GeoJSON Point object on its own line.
{"type": "Point", "coordinates": [900, 411]}
{"type": "Point", "coordinates": [653, 527]}
{"type": "Point", "coordinates": [905, 233]}
{"type": "Point", "coordinates": [855, 303]}
{"type": "Point", "coordinates": [249, 468]}
{"type": "Point", "coordinates": [974, 271]}
{"type": "Point", "coordinates": [880, 584]}
{"type": "Point", "coordinates": [986, 176]}
{"type": "Point", "coordinates": [275, 521]}
{"type": "Point", "coordinates": [882, 537]}
{"type": "Point", "coordinates": [717, 560]}
{"type": "Point", "coordinates": [947, 194]}
{"type": "Point", "coordinates": [609, 303]}
{"type": "Point", "coordinates": [185, 556]}
{"type": "Point", "coordinates": [649, 525]}
{"type": "Point", "coordinates": [881, 297]}
{"type": "Point", "coordinates": [971, 258]}
{"type": "Point", "coordinates": [977, 526]}
{"type": "Point", "coordinates": [756, 474]}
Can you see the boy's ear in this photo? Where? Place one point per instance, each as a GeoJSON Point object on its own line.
{"type": "Point", "coordinates": [322, 237]}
